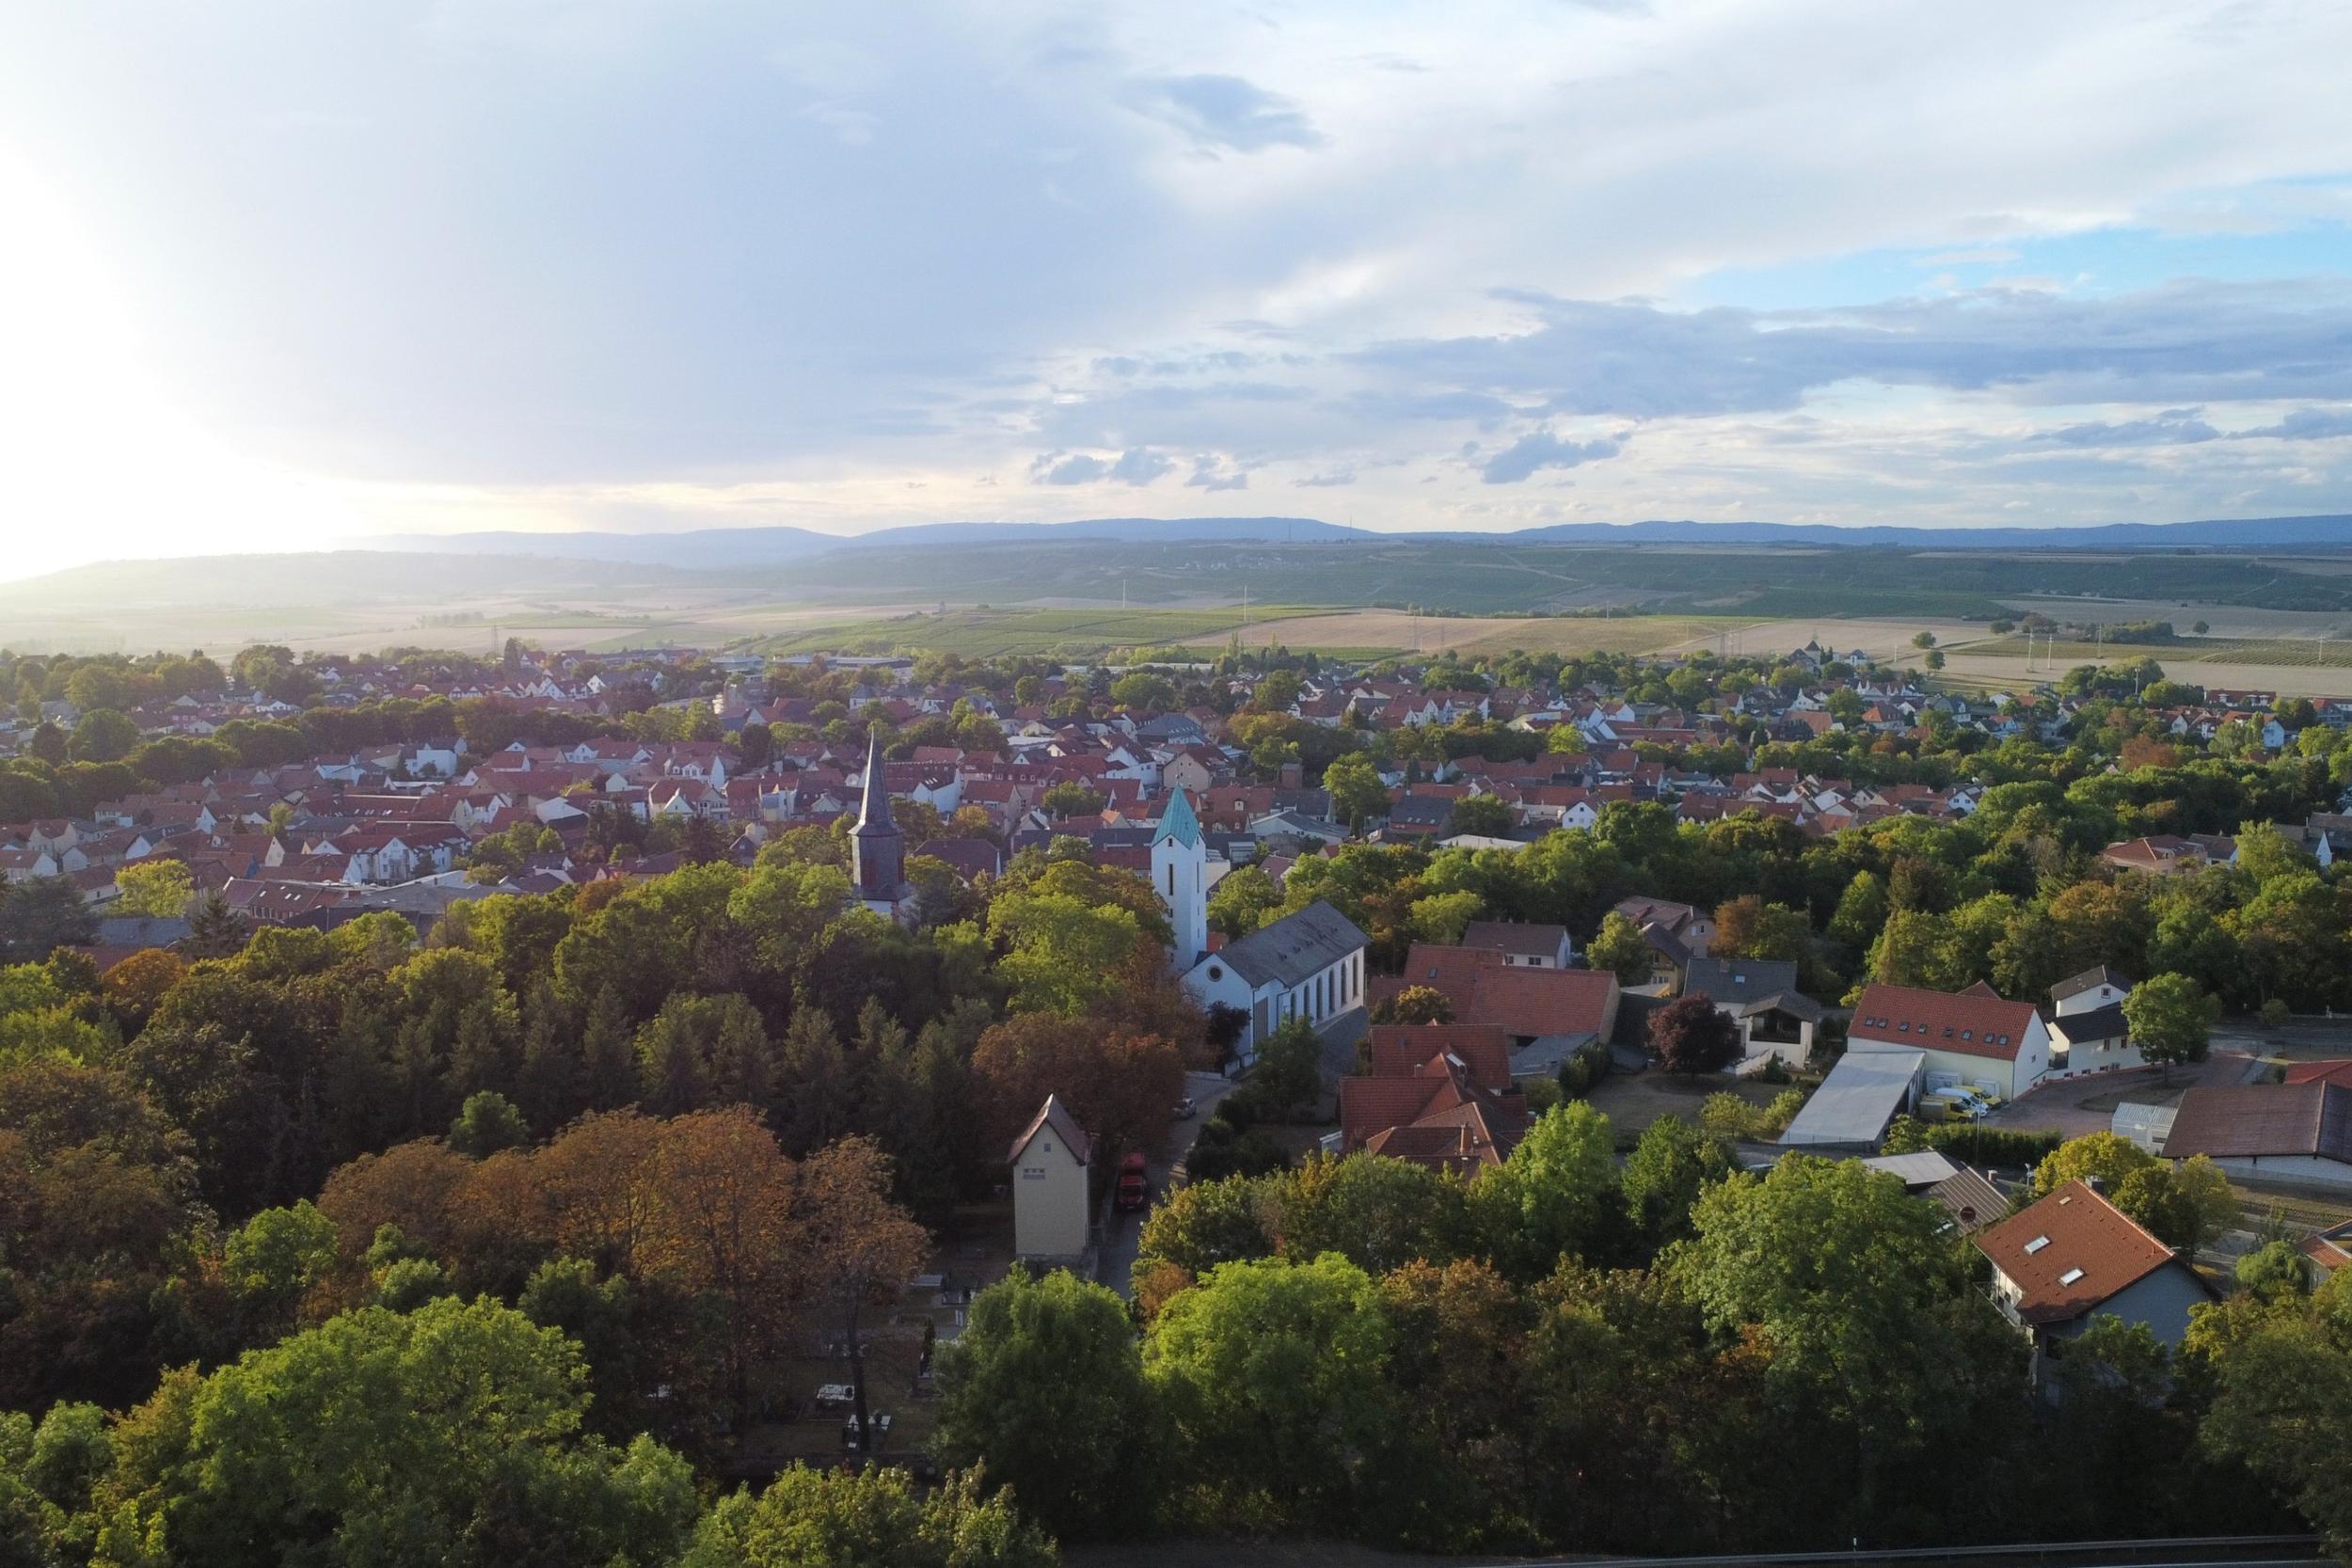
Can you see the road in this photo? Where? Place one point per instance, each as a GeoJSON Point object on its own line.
{"type": "Point", "coordinates": [1122, 1232]}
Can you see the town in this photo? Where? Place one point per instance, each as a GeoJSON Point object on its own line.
{"type": "Point", "coordinates": [1446, 1103]}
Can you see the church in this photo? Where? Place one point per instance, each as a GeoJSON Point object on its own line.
{"type": "Point", "coordinates": [1180, 875]}
{"type": "Point", "coordinates": [877, 849]}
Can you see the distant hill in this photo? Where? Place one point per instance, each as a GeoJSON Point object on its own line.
{"type": "Point", "coordinates": [2232, 533]}
{"type": "Point", "coordinates": [729, 549]}
{"type": "Point", "coordinates": [326, 577]}
{"type": "Point", "coordinates": [734, 548]}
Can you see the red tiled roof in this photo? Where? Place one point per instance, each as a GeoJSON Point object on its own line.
{"type": "Point", "coordinates": [2338, 1071]}
{"type": "Point", "coordinates": [2069, 1253]}
{"type": "Point", "coordinates": [1404, 1050]}
{"type": "Point", "coordinates": [1974, 1022]}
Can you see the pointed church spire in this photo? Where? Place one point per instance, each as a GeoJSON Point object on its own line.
{"type": "Point", "coordinates": [1179, 820]}
{"type": "Point", "coordinates": [874, 805]}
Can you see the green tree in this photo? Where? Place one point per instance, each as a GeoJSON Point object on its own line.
{"type": "Point", "coordinates": [1046, 1385]}
{"type": "Point", "coordinates": [1556, 1197]}
{"type": "Point", "coordinates": [868, 1518]}
{"type": "Point", "coordinates": [1670, 1165]}
{"type": "Point", "coordinates": [2283, 1409]}
{"type": "Point", "coordinates": [1274, 1376]}
{"type": "Point", "coordinates": [2171, 1019]}
{"type": "Point", "coordinates": [359, 1442]}
{"type": "Point", "coordinates": [1356, 793]}
{"type": "Point", "coordinates": [1245, 897]}
{"type": "Point", "coordinates": [102, 735]}
{"type": "Point", "coordinates": [487, 1123]}
{"type": "Point", "coordinates": [1414, 1005]}
{"type": "Point", "coordinates": [154, 887]}
{"type": "Point", "coordinates": [1287, 1073]}
{"type": "Point", "coordinates": [2106, 1158]}
{"type": "Point", "coordinates": [1481, 815]}
{"type": "Point", "coordinates": [1622, 950]}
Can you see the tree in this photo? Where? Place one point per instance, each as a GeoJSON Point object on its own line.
{"type": "Point", "coordinates": [102, 735]}
{"type": "Point", "coordinates": [1556, 1197]}
{"type": "Point", "coordinates": [487, 1123]}
{"type": "Point", "coordinates": [866, 1518]}
{"type": "Point", "coordinates": [2184, 1207]}
{"type": "Point", "coordinates": [1484, 815]}
{"type": "Point", "coordinates": [1245, 897]}
{"type": "Point", "coordinates": [41, 914]}
{"type": "Point", "coordinates": [1119, 1085]}
{"type": "Point", "coordinates": [1923, 640]}
{"type": "Point", "coordinates": [2283, 1409]}
{"type": "Point", "coordinates": [1849, 1283]}
{"type": "Point", "coordinates": [856, 1248]}
{"type": "Point", "coordinates": [2170, 1019]}
{"type": "Point", "coordinates": [215, 930]}
{"type": "Point", "coordinates": [1415, 1005]}
{"type": "Point", "coordinates": [1670, 1165]}
{"type": "Point", "coordinates": [1934, 659]}
{"type": "Point", "coordinates": [154, 887]}
{"type": "Point", "coordinates": [1046, 1385]}
{"type": "Point", "coordinates": [1274, 1376]}
{"type": "Point", "coordinates": [1691, 1035]}
{"type": "Point", "coordinates": [1356, 793]}
{"type": "Point", "coordinates": [2105, 1157]}
{"type": "Point", "coordinates": [1621, 949]}
{"type": "Point", "coordinates": [1071, 800]}
{"type": "Point", "coordinates": [353, 1443]}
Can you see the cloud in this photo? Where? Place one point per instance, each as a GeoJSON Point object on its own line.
{"type": "Point", "coordinates": [2189, 342]}
{"type": "Point", "coordinates": [1223, 112]}
{"type": "Point", "coordinates": [1542, 449]}
{"type": "Point", "coordinates": [1329, 480]}
{"type": "Point", "coordinates": [2174, 427]}
{"type": "Point", "coordinates": [1216, 473]}
{"type": "Point", "coordinates": [2305, 424]}
{"type": "Point", "coordinates": [1136, 465]}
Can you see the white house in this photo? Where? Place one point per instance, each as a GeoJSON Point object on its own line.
{"type": "Point", "coordinates": [1307, 964]}
{"type": "Point", "coordinates": [1973, 1036]}
{"type": "Point", "coordinates": [2089, 1032]}
{"type": "Point", "coordinates": [1052, 1199]}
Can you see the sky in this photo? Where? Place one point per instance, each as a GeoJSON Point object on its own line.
{"type": "Point", "coordinates": [279, 275]}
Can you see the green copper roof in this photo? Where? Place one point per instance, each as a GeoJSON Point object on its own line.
{"type": "Point", "coordinates": [1180, 821]}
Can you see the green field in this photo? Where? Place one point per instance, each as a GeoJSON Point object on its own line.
{"type": "Point", "coordinates": [2305, 652]}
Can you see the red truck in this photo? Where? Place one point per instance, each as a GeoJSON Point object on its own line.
{"type": "Point", "coordinates": [1135, 1185]}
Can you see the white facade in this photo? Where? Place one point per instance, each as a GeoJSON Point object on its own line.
{"type": "Point", "coordinates": [1329, 991]}
{"type": "Point", "coordinates": [1180, 875]}
{"type": "Point", "coordinates": [2010, 1077]}
{"type": "Point", "coordinates": [1052, 1198]}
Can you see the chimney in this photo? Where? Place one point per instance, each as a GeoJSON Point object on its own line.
{"type": "Point", "coordinates": [1290, 775]}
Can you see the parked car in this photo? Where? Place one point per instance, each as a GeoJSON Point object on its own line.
{"type": "Point", "coordinates": [1135, 1183]}
{"type": "Point", "coordinates": [1185, 1109]}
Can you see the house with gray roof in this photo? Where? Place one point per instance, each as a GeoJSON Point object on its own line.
{"type": "Point", "coordinates": [1760, 995]}
{"type": "Point", "coordinates": [1307, 964]}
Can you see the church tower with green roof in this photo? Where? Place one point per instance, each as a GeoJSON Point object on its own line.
{"type": "Point", "coordinates": [1180, 873]}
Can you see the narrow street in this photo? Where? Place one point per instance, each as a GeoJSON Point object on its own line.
{"type": "Point", "coordinates": [1122, 1232]}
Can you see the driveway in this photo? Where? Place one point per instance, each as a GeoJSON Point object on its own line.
{"type": "Point", "coordinates": [1341, 1035]}
{"type": "Point", "coordinates": [1122, 1232]}
{"type": "Point", "coordinates": [2075, 1108]}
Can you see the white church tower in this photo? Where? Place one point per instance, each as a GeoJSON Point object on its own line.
{"type": "Point", "coordinates": [1180, 873]}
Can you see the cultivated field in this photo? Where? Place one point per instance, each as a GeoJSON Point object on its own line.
{"type": "Point", "coordinates": [991, 633]}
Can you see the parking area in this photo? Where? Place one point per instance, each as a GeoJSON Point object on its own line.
{"type": "Point", "coordinates": [2075, 1109]}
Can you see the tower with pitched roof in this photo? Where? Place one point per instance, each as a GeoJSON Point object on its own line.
{"type": "Point", "coordinates": [1180, 874]}
{"type": "Point", "coordinates": [878, 850]}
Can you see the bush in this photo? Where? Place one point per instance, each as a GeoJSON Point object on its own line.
{"type": "Point", "coordinates": [1992, 1145]}
{"type": "Point", "coordinates": [1222, 1149]}
{"type": "Point", "coordinates": [1542, 1095]}
{"type": "Point", "coordinates": [2276, 1013]}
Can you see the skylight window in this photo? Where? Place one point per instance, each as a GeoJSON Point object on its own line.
{"type": "Point", "coordinates": [2036, 1244]}
{"type": "Point", "coordinates": [2070, 1277]}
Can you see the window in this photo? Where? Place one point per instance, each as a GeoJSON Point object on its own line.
{"type": "Point", "coordinates": [2036, 1244]}
{"type": "Point", "coordinates": [2070, 1277]}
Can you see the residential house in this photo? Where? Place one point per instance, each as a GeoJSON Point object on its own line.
{"type": "Point", "coordinates": [2073, 1257]}
{"type": "Point", "coordinates": [1974, 1036]}
{"type": "Point", "coordinates": [1453, 1109]}
{"type": "Point", "coordinates": [1052, 1199]}
{"type": "Point", "coordinates": [1760, 995]}
{"type": "Point", "coordinates": [2089, 1032]}
{"type": "Point", "coordinates": [1525, 945]}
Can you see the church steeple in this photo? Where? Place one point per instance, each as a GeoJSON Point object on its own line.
{"type": "Point", "coordinates": [877, 848]}
{"type": "Point", "coordinates": [1180, 875]}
